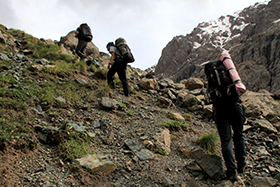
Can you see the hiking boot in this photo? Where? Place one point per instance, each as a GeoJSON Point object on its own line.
{"type": "Point", "coordinates": [232, 177]}
{"type": "Point", "coordinates": [240, 168]}
{"type": "Point", "coordinates": [81, 55]}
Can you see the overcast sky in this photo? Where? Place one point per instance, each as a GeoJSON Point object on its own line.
{"type": "Point", "coordinates": [147, 25]}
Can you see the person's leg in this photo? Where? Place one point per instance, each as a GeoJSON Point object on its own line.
{"type": "Point", "coordinates": [110, 76]}
{"type": "Point", "coordinates": [83, 49]}
{"type": "Point", "coordinates": [224, 130]}
{"type": "Point", "coordinates": [122, 75]}
{"type": "Point", "coordinates": [237, 122]}
{"type": "Point", "coordinates": [80, 49]}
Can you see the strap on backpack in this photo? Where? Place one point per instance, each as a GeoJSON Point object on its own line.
{"type": "Point", "coordinates": [226, 58]}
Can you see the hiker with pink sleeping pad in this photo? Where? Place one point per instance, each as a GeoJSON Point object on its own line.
{"type": "Point", "coordinates": [223, 90]}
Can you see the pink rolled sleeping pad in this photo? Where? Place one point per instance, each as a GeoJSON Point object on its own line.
{"type": "Point", "coordinates": [239, 86]}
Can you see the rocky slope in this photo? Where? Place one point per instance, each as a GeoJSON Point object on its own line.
{"type": "Point", "coordinates": [251, 36]}
{"type": "Point", "coordinates": [147, 139]}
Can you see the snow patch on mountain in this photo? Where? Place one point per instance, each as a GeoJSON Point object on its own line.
{"type": "Point", "coordinates": [219, 32]}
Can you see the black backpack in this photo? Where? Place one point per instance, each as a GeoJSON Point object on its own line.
{"type": "Point", "coordinates": [125, 51]}
{"type": "Point", "coordinates": [86, 32]}
{"type": "Point", "coordinates": [220, 86]}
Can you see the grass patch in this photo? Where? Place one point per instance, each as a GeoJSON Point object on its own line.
{"type": "Point", "coordinates": [209, 142]}
{"type": "Point", "coordinates": [74, 144]}
{"type": "Point", "coordinates": [160, 151]}
{"type": "Point", "coordinates": [72, 149]}
{"type": "Point", "coordinates": [15, 104]}
{"type": "Point", "coordinates": [6, 80]}
{"type": "Point", "coordinates": [103, 91]}
{"type": "Point", "coordinates": [39, 48]}
{"type": "Point", "coordinates": [188, 117]}
{"type": "Point", "coordinates": [174, 125]}
{"type": "Point", "coordinates": [13, 131]}
{"type": "Point", "coordinates": [13, 94]}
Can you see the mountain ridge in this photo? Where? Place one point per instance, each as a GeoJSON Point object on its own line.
{"type": "Point", "coordinates": [181, 57]}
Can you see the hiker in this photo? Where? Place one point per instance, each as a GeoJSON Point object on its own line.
{"type": "Point", "coordinates": [83, 33]}
{"type": "Point", "coordinates": [228, 113]}
{"type": "Point", "coordinates": [117, 64]}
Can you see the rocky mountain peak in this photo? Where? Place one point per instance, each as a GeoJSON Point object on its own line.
{"type": "Point", "coordinates": [240, 34]}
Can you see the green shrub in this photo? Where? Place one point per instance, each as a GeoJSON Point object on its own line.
{"type": "Point", "coordinates": [174, 125]}
{"type": "Point", "coordinates": [11, 130]}
{"type": "Point", "coordinates": [103, 91]}
{"type": "Point", "coordinates": [188, 117]}
{"type": "Point", "coordinates": [160, 151]}
{"type": "Point", "coordinates": [40, 49]}
{"type": "Point", "coordinates": [209, 142]}
{"type": "Point", "coordinates": [74, 148]}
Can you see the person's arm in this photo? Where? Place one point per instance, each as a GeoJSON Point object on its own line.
{"type": "Point", "coordinates": [111, 59]}
{"type": "Point", "coordinates": [76, 34]}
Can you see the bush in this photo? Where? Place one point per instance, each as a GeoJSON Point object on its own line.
{"type": "Point", "coordinates": [174, 125]}
{"type": "Point", "coordinates": [209, 142]}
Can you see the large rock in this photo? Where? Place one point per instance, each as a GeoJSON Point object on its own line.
{"type": "Point", "coordinates": [260, 103]}
{"type": "Point", "coordinates": [109, 104]}
{"type": "Point", "coordinates": [194, 83]}
{"type": "Point", "coordinates": [263, 181]}
{"type": "Point", "coordinates": [211, 164]}
{"type": "Point", "coordinates": [5, 39]}
{"type": "Point", "coordinates": [190, 100]}
{"type": "Point", "coordinates": [149, 84]}
{"type": "Point", "coordinates": [164, 102]}
{"type": "Point", "coordinates": [265, 126]}
{"type": "Point", "coordinates": [97, 163]}
{"type": "Point", "coordinates": [163, 141]}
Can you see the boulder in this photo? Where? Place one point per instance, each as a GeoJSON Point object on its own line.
{"type": "Point", "coordinates": [260, 103]}
{"type": "Point", "coordinates": [164, 102]}
{"type": "Point", "coordinates": [263, 181]}
{"type": "Point", "coordinates": [163, 141]}
{"type": "Point", "coordinates": [211, 164]}
{"type": "Point", "coordinates": [190, 100]}
{"type": "Point", "coordinates": [96, 163]}
{"type": "Point", "coordinates": [166, 83]}
{"type": "Point", "coordinates": [109, 104]}
{"type": "Point", "coordinates": [265, 126]}
{"type": "Point", "coordinates": [149, 84]}
{"type": "Point", "coordinates": [194, 83]}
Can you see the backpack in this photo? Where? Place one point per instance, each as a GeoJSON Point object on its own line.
{"type": "Point", "coordinates": [125, 51]}
{"type": "Point", "coordinates": [86, 32]}
{"type": "Point", "coordinates": [220, 86]}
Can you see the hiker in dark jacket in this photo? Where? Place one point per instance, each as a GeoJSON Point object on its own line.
{"type": "Point", "coordinates": [82, 41]}
{"type": "Point", "coordinates": [117, 65]}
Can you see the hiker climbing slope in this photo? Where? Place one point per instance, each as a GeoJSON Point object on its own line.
{"type": "Point", "coordinates": [117, 64]}
{"type": "Point", "coordinates": [84, 35]}
{"type": "Point", "coordinates": [224, 88]}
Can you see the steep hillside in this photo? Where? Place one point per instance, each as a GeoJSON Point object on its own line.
{"type": "Point", "coordinates": [251, 37]}
{"type": "Point", "coordinates": [61, 125]}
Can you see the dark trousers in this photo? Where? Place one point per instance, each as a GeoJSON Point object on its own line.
{"type": "Point", "coordinates": [120, 68]}
{"type": "Point", "coordinates": [81, 48]}
{"type": "Point", "coordinates": [228, 118]}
